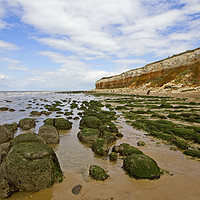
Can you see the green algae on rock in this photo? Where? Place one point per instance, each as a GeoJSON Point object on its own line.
{"type": "Point", "coordinates": [100, 147]}
{"type": "Point", "coordinates": [88, 135]}
{"type": "Point", "coordinates": [98, 173]}
{"type": "Point", "coordinates": [30, 165]}
{"type": "Point", "coordinates": [113, 156]}
{"type": "Point", "coordinates": [90, 122]}
{"type": "Point", "coordinates": [141, 166]}
{"type": "Point", "coordinates": [27, 123]}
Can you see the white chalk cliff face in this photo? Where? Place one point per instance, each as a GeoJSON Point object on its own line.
{"type": "Point", "coordinates": [182, 70]}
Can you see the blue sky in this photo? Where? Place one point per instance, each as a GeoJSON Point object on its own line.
{"type": "Point", "coordinates": [69, 44]}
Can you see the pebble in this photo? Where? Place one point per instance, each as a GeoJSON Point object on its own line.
{"type": "Point", "coordinates": [76, 190]}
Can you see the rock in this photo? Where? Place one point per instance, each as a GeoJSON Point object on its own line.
{"type": "Point", "coordinates": [30, 166]}
{"type": "Point", "coordinates": [4, 108]}
{"type": "Point", "coordinates": [88, 135]}
{"type": "Point", "coordinates": [109, 137]}
{"type": "Point", "coordinates": [27, 123]}
{"type": "Point", "coordinates": [125, 149]}
{"type": "Point", "coordinates": [119, 135]}
{"type": "Point", "coordinates": [141, 143]}
{"type": "Point", "coordinates": [97, 173]}
{"type": "Point", "coordinates": [12, 127]}
{"type": "Point", "coordinates": [5, 190]}
{"type": "Point", "coordinates": [4, 149]}
{"type": "Point", "coordinates": [63, 124]}
{"type": "Point", "coordinates": [36, 113]}
{"type": "Point", "coordinates": [49, 134]}
{"type": "Point", "coordinates": [113, 156]}
{"type": "Point", "coordinates": [28, 137]}
{"type": "Point", "coordinates": [141, 166]}
{"type": "Point", "coordinates": [59, 123]}
{"type": "Point", "coordinates": [90, 122]}
{"type": "Point", "coordinates": [100, 147]}
{"type": "Point", "coordinates": [5, 134]}
{"type": "Point", "coordinates": [76, 190]}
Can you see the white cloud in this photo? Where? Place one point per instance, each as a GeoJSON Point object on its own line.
{"type": "Point", "coordinates": [7, 46]}
{"type": "Point", "coordinates": [14, 64]}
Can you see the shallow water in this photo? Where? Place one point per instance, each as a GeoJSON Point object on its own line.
{"type": "Point", "coordinates": [75, 158]}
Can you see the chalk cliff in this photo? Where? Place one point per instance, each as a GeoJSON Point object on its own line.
{"type": "Point", "coordinates": [179, 71]}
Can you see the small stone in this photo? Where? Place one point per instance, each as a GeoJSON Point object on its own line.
{"type": "Point", "coordinates": [141, 143]}
{"type": "Point", "coordinates": [76, 190]}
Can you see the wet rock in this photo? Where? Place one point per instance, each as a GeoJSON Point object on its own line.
{"type": "Point", "coordinates": [109, 137]}
{"type": "Point", "coordinates": [27, 123]}
{"type": "Point", "coordinates": [4, 108]}
{"type": "Point", "coordinates": [90, 122]}
{"type": "Point", "coordinates": [30, 166]}
{"type": "Point", "coordinates": [120, 135]}
{"type": "Point", "coordinates": [5, 190]}
{"type": "Point", "coordinates": [49, 134]}
{"type": "Point", "coordinates": [98, 173]}
{"type": "Point", "coordinates": [141, 166]}
{"type": "Point", "coordinates": [141, 143]}
{"type": "Point", "coordinates": [36, 113]}
{"type": "Point", "coordinates": [5, 134]}
{"type": "Point", "coordinates": [63, 124]}
{"type": "Point", "coordinates": [88, 135]}
{"type": "Point", "coordinates": [100, 147]}
{"type": "Point", "coordinates": [76, 190]}
{"type": "Point", "coordinates": [113, 156]}
{"type": "Point", "coordinates": [125, 149]}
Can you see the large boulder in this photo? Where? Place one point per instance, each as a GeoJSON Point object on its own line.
{"type": "Point", "coordinates": [98, 173]}
{"type": "Point", "coordinates": [109, 137]}
{"type": "Point", "coordinates": [88, 135]}
{"type": "Point", "coordinates": [49, 134]}
{"type": "Point", "coordinates": [125, 149]}
{"type": "Point", "coordinates": [5, 134]}
{"type": "Point", "coordinates": [100, 147]}
{"type": "Point", "coordinates": [27, 123]}
{"type": "Point", "coordinates": [90, 122]}
{"type": "Point", "coordinates": [141, 166]}
{"type": "Point", "coordinates": [31, 165]}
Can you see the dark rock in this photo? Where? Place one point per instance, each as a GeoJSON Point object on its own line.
{"type": "Point", "coordinates": [97, 173]}
{"type": "Point", "coordinates": [113, 156]}
{"type": "Point", "coordinates": [36, 113]}
{"type": "Point", "coordinates": [76, 190]}
{"type": "Point", "coordinates": [5, 134]}
{"type": "Point", "coordinates": [141, 166]}
{"type": "Point", "coordinates": [4, 108]}
{"type": "Point", "coordinates": [49, 134]}
{"type": "Point", "coordinates": [88, 135]}
{"type": "Point", "coordinates": [27, 123]}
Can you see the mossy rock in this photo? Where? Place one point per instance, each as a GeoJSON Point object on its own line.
{"type": "Point", "coordinates": [49, 134]}
{"type": "Point", "coordinates": [63, 124]}
{"type": "Point", "coordinates": [109, 137]}
{"type": "Point", "coordinates": [98, 173]}
{"type": "Point", "coordinates": [27, 123]}
{"type": "Point", "coordinates": [88, 135]}
{"type": "Point", "coordinates": [5, 134]}
{"type": "Point", "coordinates": [104, 128]}
{"type": "Point", "coordinates": [113, 156]}
{"type": "Point", "coordinates": [90, 122]}
{"type": "Point", "coordinates": [141, 143]}
{"type": "Point", "coordinates": [100, 147]}
{"type": "Point", "coordinates": [31, 166]}
{"type": "Point", "coordinates": [36, 113]}
{"type": "Point", "coordinates": [192, 152]}
{"type": "Point", "coordinates": [12, 127]}
{"type": "Point", "coordinates": [28, 137]}
{"type": "Point", "coordinates": [141, 166]}
{"type": "Point", "coordinates": [49, 121]}
{"type": "Point", "coordinates": [120, 135]}
{"type": "Point", "coordinates": [126, 149]}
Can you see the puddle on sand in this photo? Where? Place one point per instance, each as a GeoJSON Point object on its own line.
{"type": "Point", "coordinates": [75, 158]}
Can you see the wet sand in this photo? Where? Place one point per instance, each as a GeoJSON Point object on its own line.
{"type": "Point", "coordinates": [75, 158]}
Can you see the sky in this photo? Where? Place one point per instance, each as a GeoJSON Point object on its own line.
{"type": "Point", "coordinates": [64, 45]}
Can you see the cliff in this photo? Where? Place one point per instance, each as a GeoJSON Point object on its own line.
{"type": "Point", "coordinates": [179, 71]}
